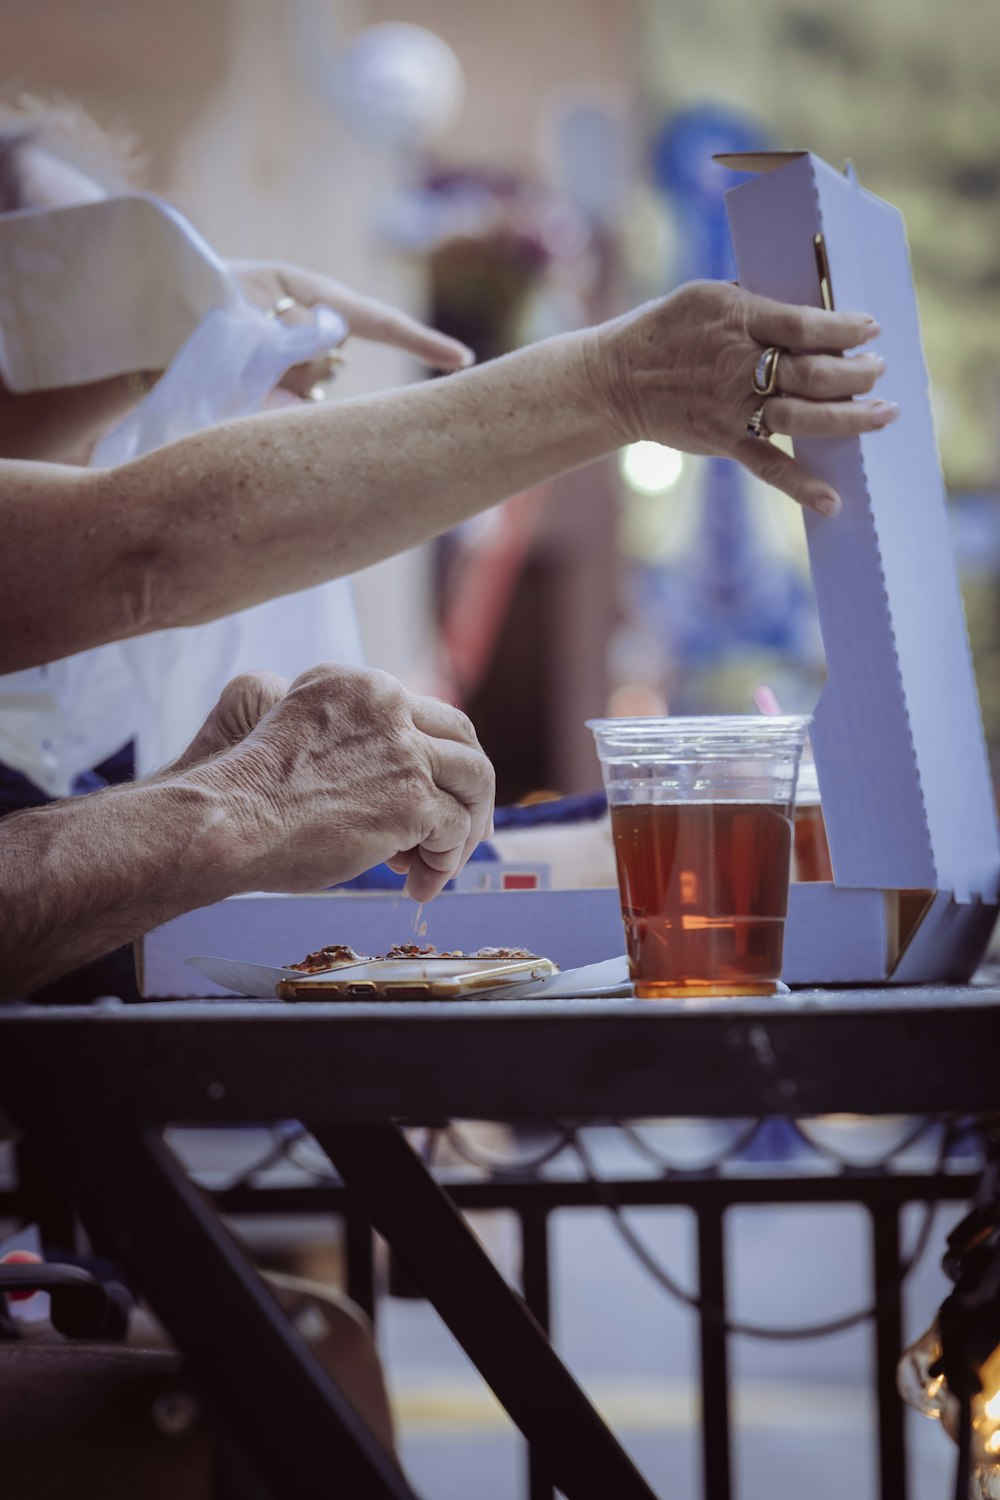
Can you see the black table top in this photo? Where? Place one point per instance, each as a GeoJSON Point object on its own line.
{"type": "Point", "coordinates": [868, 1051]}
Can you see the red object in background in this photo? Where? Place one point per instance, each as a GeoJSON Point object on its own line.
{"type": "Point", "coordinates": [480, 593]}
{"type": "Point", "coordinates": [20, 1258]}
{"type": "Point", "coordinates": [512, 880]}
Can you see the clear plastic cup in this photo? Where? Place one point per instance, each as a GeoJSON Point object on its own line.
{"type": "Point", "coordinates": [701, 814]}
{"type": "Point", "coordinates": [811, 848]}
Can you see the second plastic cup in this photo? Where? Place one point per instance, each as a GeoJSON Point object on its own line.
{"type": "Point", "coordinates": [811, 848]}
{"type": "Point", "coordinates": [701, 814]}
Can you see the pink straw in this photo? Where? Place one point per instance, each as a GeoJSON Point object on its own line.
{"type": "Point", "coordinates": [766, 699]}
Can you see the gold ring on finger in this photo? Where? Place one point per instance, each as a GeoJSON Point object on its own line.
{"type": "Point", "coordinates": [756, 426]}
{"type": "Point", "coordinates": [765, 373]}
{"type": "Point", "coordinates": [334, 362]}
{"type": "Point", "coordinates": [282, 306]}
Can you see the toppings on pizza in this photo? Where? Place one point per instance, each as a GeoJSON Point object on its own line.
{"type": "Point", "coordinates": [339, 953]}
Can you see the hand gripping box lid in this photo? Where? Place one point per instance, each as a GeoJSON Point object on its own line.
{"type": "Point", "coordinates": [898, 735]}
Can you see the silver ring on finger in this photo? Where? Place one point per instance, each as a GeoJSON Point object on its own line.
{"type": "Point", "coordinates": [765, 371]}
{"type": "Point", "coordinates": [756, 426]}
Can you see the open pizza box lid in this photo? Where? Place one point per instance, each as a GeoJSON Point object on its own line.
{"type": "Point", "coordinates": [898, 735]}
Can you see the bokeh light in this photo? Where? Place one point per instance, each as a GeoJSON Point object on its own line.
{"type": "Point", "coordinates": [650, 468]}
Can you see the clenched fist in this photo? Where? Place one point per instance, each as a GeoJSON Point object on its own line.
{"type": "Point", "coordinates": [340, 772]}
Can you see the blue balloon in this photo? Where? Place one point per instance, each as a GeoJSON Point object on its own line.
{"type": "Point", "coordinates": [686, 173]}
{"type": "Point", "coordinates": [686, 142]}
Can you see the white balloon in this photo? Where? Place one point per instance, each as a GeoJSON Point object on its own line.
{"type": "Point", "coordinates": [398, 84]}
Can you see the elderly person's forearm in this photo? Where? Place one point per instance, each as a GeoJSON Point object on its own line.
{"type": "Point", "coordinates": [82, 877]}
{"type": "Point", "coordinates": [284, 500]}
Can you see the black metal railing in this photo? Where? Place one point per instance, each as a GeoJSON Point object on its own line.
{"type": "Point", "coordinates": [533, 1197]}
{"type": "Point", "coordinates": [881, 1189]}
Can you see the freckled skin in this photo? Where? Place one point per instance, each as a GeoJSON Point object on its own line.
{"type": "Point", "coordinates": [277, 502]}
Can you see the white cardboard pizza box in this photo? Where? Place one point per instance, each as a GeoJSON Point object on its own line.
{"type": "Point", "coordinates": [572, 928]}
{"type": "Point", "coordinates": [898, 736]}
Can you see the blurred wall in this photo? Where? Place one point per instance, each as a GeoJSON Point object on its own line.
{"type": "Point", "coordinates": [517, 56]}
{"type": "Point", "coordinates": [151, 68]}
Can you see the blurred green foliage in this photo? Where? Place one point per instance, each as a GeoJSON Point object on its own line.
{"type": "Point", "coordinates": [910, 91]}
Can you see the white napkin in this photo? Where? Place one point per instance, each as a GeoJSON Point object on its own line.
{"type": "Point", "coordinates": [103, 288]}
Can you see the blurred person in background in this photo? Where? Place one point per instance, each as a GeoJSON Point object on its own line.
{"type": "Point", "coordinates": [52, 158]}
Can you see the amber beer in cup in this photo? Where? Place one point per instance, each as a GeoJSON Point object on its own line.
{"type": "Point", "coordinates": [810, 847]}
{"type": "Point", "coordinates": [701, 814]}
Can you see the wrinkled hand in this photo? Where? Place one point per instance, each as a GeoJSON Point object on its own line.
{"type": "Point", "coordinates": [347, 770]}
{"type": "Point", "coordinates": [265, 282]}
{"type": "Point", "coordinates": [242, 704]}
{"type": "Point", "coordinates": [679, 371]}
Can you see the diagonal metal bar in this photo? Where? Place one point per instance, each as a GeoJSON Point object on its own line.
{"type": "Point", "coordinates": [490, 1321]}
